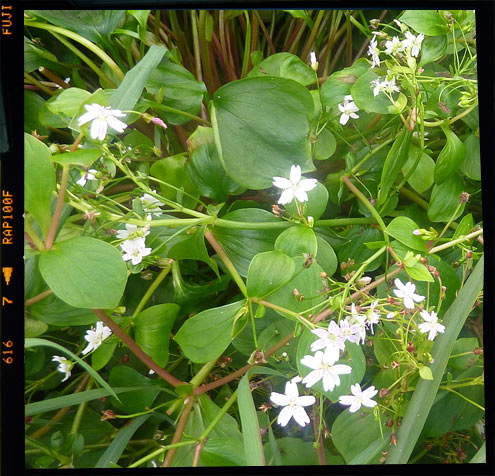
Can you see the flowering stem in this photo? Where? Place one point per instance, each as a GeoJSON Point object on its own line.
{"type": "Point", "coordinates": [474, 234]}
{"type": "Point", "coordinates": [188, 404]}
{"type": "Point", "coordinates": [152, 288]}
{"type": "Point", "coordinates": [83, 41]}
{"type": "Point", "coordinates": [135, 349]}
{"type": "Point", "coordinates": [50, 237]}
{"type": "Point", "coordinates": [287, 224]}
{"type": "Point", "coordinates": [451, 121]}
{"type": "Point", "coordinates": [39, 297]}
{"type": "Point", "coordinates": [226, 260]}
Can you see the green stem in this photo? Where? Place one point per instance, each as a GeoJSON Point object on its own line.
{"type": "Point", "coordinates": [247, 46]}
{"type": "Point", "coordinates": [162, 107]}
{"type": "Point", "coordinates": [451, 121]}
{"type": "Point", "coordinates": [152, 288]}
{"type": "Point", "coordinates": [50, 237]}
{"type": "Point", "coordinates": [311, 39]}
{"type": "Point", "coordinates": [368, 156]}
{"type": "Point", "coordinates": [414, 197]}
{"type": "Point", "coordinates": [283, 310]}
{"type": "Point", "coordinates": [83, 41]}
{"type": "Point", "coordinates": [218, 416]}
{"type": "Point", "coordinates": [368, 205]}
{"type": "Point", "coordinates": [203, 372]}
{"type": "Point", "coordinates": [159, 452]}
{"type": "Point", "coordinates": [40, 85]}
{"type": "Point", "coordinates": [449, 222]}
{"type": "Point", "coordinates": [204, 51]}
{"type": "Point", "coordinates": [197, 58]}
{"type": "Point", "coordinates": [287, 224]}
{"type": "Point", "coordinates": [80, 412]}
{"type": "Point", "coordinates": [474, 234]}
{"type": "Point", "coordinates": [226, 260]}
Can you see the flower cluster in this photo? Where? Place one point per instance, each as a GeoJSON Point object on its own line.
{"type": "Point", "coordinates": [387, 85]}
{"type": "Point", "coordinates": [134, 245]}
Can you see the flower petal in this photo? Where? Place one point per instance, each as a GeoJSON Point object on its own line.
{"type": "Point", "coordinates": [281, 182]}
{"type": "Point", "coordinates": [295, 174]}
{"type": "Point", "coordinates": [300, 416]}
{"type": "Point", "coordinates": [285, 415]}
{"type": "Point", "coordinates": [279, 398]}
{"type": "Point", "coordinates": [286, 197]}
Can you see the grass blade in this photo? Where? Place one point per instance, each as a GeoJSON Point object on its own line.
{"type": "Point", "coordinates": [426, 390]}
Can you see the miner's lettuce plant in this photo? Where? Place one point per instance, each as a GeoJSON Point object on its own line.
{"type": "Point", "coordinates": [261, 250]}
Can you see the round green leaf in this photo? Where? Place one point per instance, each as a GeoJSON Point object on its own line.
{"type": "Point", "coordinates": [152, 331]}
{"type": "Point", "coordinates": [268, 271]}
{"type": "Point", "coordinates": [39, 181]}
{"type": "Point", "coordinates": [316, 204]}
{"type": "Point", "coordinates": [285, 65]}
{"type": "Point", "coordinates": [428, 22]}
{"type": "Point", "coordinates": [206, 335]}
{"type": "Point", "coordinates": [401, 228]}
{"type": "Point", "coordinates": [261, 128]}
{"type": "Point", "coordinates": [68, 101]}
{"type": "Point", "coordinates": [85, 272]}
{"type": "Point", "coordinates": [422, 177]}
{"type": "Point", "coordinates": [297, 240]}
{"type": "Point", "coordinates": [325, 256]}
{"type": "Point", "coordinates": [325, 145]}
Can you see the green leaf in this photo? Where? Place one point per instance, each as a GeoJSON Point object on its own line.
{"type": "Point", "coordinates": [325, 145]}
{"type": "Point", "coordinates": [180, 90]}
{"type": "Point", "coordinates": [223, 452]}
{"type": "Point", "coordinates": [128, 93]}
{"type": "Point", "coordinates": [339, 83]}
{"type": "Point", "coordinates": [36, 56]}
{"type": "Point", "coordinates": [253, 447]}
{"type": "Point", "coordinates": [425, 373]}
{"type": "Point", "coordinates": [356, 250]}
{"type": "Point", "coordinates": [72, 399]}
{"type": "Point", "coordinates": [433, 48]}
{"type": "Point", "coordinates": [92, 24]}
{"type": "Point", "coordinates": [471, 166]}
{"type": "Point", "coordinates": [85, 272]}
{"type": "Point", "coordinates": [35, 341]}
{"type": "Point", "coordinates": [424, 394]}
{"type": "Point", "coordinates": [428, 22]}
{"type": "Point", "coordinates": [359, 439]}
{"type": "Point", "coordinates": [261, 128]}
{"type": "Point", "coordinates": [242, 245]}
{"type": "Point", "coordinates": [141, 16]}
{"type": "Point", "coordinates": [68, 101]}
{"type": "Point", "coordinates": [152, 331]}
{"type": "Point", "coordinates": [463, 355]}
{"type": "Point", "coordinates": [362, 93]}
{"type": "Point", "coordinates": [422, 177]}
{"type": "Point", "coordinates": [206, 335]}
{"type": "Point", "coordinates": [354, 358]}
{"type": "Point", "coordinates": [396, 158]}
{"type": "Point", "coordinates": [419, 272]}
{"type": "Point", "coordinates": [307, 281]}
{"type": "Point", "coordinates": [39, 181]}
{"type": "Point", "coordinates": [138, 400]}
{"type": "Point", "coordinates": [119, 443]}
{"type": "Point", "coordinates": [84, 157]}
{"type": "Point", "coordinates": [268, 271]}
{"type": "Point", "coordinates": [34, 327]}
{"type": "Point", "coordinates": [325, 256]}
{"type": "Point", "coordinates": [204, 168]}
{"type": "Point", "coordinates": [464, 226]}
{"type": "Point", "coordinates": [102, 355]}
{"type": "Point", "coordinates": [297, 240]}
{"type": "Point", "coordinates": [32, 104]}
{"type": "Point", "coordinates": [316, 204]}
{"type": "Point", "coordinates": [445, 198]}
{"type": "Point", "coordinates": [450, 157]}
{"type": "Point", "coordinates": [401, 228]}
{"type": "Point", "coordinates": [284, 65]}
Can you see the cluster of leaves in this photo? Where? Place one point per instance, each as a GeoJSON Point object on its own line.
{"type": "Point", "coordinates": [222, 303]}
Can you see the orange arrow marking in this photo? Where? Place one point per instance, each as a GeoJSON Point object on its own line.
{"type": "Point", "coordinates": [7, 273]}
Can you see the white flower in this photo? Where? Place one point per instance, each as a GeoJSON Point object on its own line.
{"type": "Point", "coordinates": [364, 281]}
{"type": "Point", "coordinates": [323, 368]}
{"type": "Point", "coordinates": [151, 372]}
{"type": "Point", "coordinates": [135, 250]}
{"type": "Point", "coordinates": [102, 117]}
{"type": "Point", "coordinates": [294, 186]}
{"type": "Point", "coordinates": [314, 63]}
{"type": "Point", "coordinates": [395, 46]}
{"type": "Point", "coordinates": [348, 98]}
{"type": "Point", "coordinates": [151, 203]}
{"type": "Point", "coordinates": [391, 315]}
{"type": "Point", "coordinates": [89, 175]}
{"type": "Point", "coordinates": [413, 42]}
{"type": "Point", "coordinates": [64, 367]}
{"type": "Point", "coordinates": [406, 292]}
{"type": "Point", "coordinates": [372, 317]}
{"type": "Point", "coordinates": [331, 340]}
{"type": "Point", "coordinates": [354, 326]}
{"type": "Point", "coordinates": [95, 337]}
{"type": "Point", "coordinates": [359, 398]}
{"type": "Point", "coordinates": [376, 84]}
{"type": "Point", "coordinates": [293, 405]}
{"type": "Point", "coordinates": [348, 109]}
{"type": "Point", "coordinates": [132, 230]}
{"type": "Point", "coordinates": [373, 51]}
{"type": "Point", "coordinates": [431, 324]}
{"type": "Point", "coordinates": [389, 86]}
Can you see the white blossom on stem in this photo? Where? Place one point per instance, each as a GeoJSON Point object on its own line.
{"type": "Point", "coordinates": [95, 337]}
{"type": "Point", "coordinates": [393, 47]}
{"type": "Point", "coordinates": [293, 405]}
{"type": "Point", "coordinates": [294, 187]}
{"type": "Point", "coordinates": [135, 250]}
{"type": "Point", "coordinates": [65, 366]}
{"type": "Point", "coordinates": [413, 42]}
{"type": "Point", "coordinates": [348, 109]}
{"type": "Point", "coordinates": [359, 398]}
{"type": "Point", "coordinates": [323, 369]}
{"type": "Point", "coordinates": [151, 203]}
{"type": "Point", "coordinates": [331, 340]}
{"type": "Point", "coordinates": [101, 118]}
{"type": "Point", "coordinates": [132, 230]}
{"type": "Point", "coordinates": [406, 292]}
{"type": "Point", "coordinates": [372, 317]}
{"type": "Point", "coordinates": [88, 175]}
{"type": "Point", "coordinates": [431, 324]}
{"type": "Point", "coordinates": [373, 51]}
